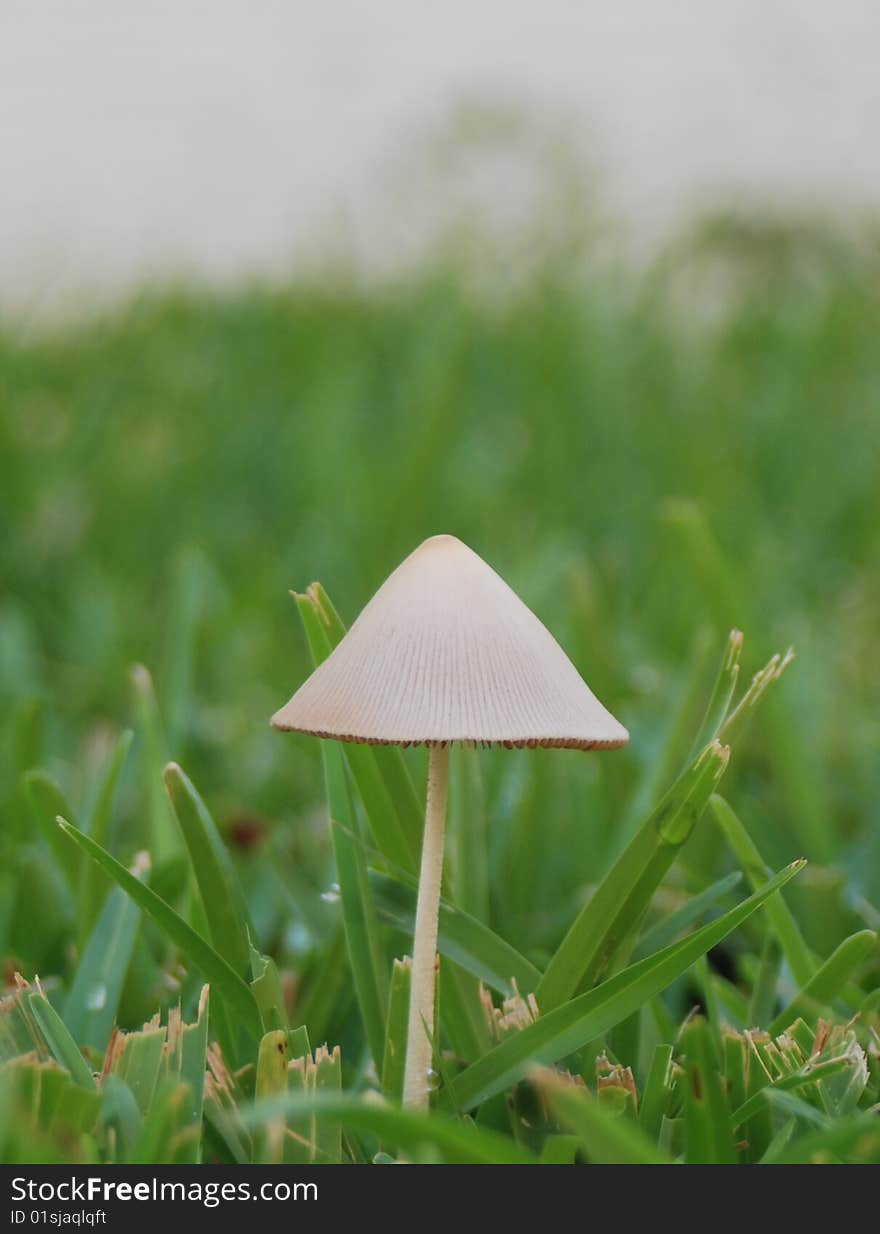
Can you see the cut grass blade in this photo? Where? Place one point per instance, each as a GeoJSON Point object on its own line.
{"type": "Point", "coordinates": [224, 980]}
{"type": "Point", "coordinates": [224, 904]}
{"type": "Point", "coordinates": [62, 1046]}
{"type": "Point", "coordinates": [567, 1028]}
{"type": "Point", "coordinates": [779, 916]}
{"type": "Point", "coordinates": [810, 1074]}
{"type": "Point", "coordinates": [266, 986]}
{"type": "Point", "coordinates": [607, 1138]}
{"type": "Point", "coordinates": [708, 1135]}
{"type": "Point", "coordinates": [91, 1006]}
{"type": "Point", "coordinates": [138, 1059]}
{"type": "Point", "coordinates": [328, 1080]}
{"type": "Point", "coordinates": [188, 1044]}
{"type": "Point", "coordinates": [271, 1079]}
{"type": "Point", "coordinates": [618, 904]}
{"type": "Point", "coordinates": [828, 981]}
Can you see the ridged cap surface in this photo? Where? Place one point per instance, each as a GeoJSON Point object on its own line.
{"type": "Point", "coordinates": [446, 651]}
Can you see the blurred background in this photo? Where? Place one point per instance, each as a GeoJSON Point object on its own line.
{"type": "Point", "coordinates": [142, 141]}
{"type": "Point", "coordinates": [285, 289]}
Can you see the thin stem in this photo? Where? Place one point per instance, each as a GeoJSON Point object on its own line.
{"type": "Point", "coordinates": [420, 1027]}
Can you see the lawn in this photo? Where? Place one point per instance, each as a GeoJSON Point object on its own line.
{"type": "Point", "coordinates": [652, 458]}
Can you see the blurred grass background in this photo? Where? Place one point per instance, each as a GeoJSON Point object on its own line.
{"type": "Point", "coordinates": [649, 457]}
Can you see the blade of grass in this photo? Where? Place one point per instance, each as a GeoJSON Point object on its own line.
{"type": "Point", "coordinates": [763, 997]}
{"type": "Point", "coordinates": [617, 905]}
{"type": "Point", "coordinates": [567, 1028]}
{"type": "Point", "coordinates": [94, 884]}
{"type": "Point", "coordinates": [461, 1012]}
{"type": "Point", "coordinates": [47, 801]}
{"type": "Point", "coordinates": [828, 981]}
{"type": "Point", "coordinates": [396, 837]}
{"type": "Point", "coordinates": [328, 1081]}
{"type": "Point", "coordinates": [62, 1046]}
{"type": "Point", "coordinates": [191, 1045]}
{"type": "Point", "coordinates": [226, 982]}
{"type": "Point", "coordinates": [379, 807]}
{"type": "Point", "coordinates": [706, 984]}
{"type": "Point", "coordinates": [779, 916]}
{"type": "Point", "coordinates": [854, 1140]}
{"type": "Point", "coordinates": [673, 747]}
{"type": "Point", "coordinates": [390, 761]}
{"type": "Point", "coordinates": [395, 1031]}
{"type": "Point", "coordinates": [657, 1092]}
{"type": "Point", "coordinates": [271, 1079]}
{"type": "Point", "coordinates": [467, 846]}
{"type": "Point", "coordinates": [222, 898]}
{"type": "Point", "coordinates": [164, 1138]}
{"type": "Point", "coordinates": [266, 985]}
{"type": "Point", "coordinates": [361, 927]}
{"type": "Point", "coordinates": [165, 840]}
{"type": "Point", "coordinates": [736, 721]}
{"type": "Point", "coordinates": [137, 1058]}
{"type": "Point", "coordinates": [119, 1114]}
{"type": "Point", "coordinates": [811, 1073]}
{"type": "Point", "coordinates": [794, 767]}
{"type": "Point", "coordinates": [723, 589]}
{"type": "Point", "coordinates": [459, 1142]}
{"type": "Point", "coordinates": [560, 1150]}
{"type": "Point", "coordinates": [183, 617]}
{"type": "Point", "coordinates": [665, 931]}
{"type": "Point", "coordinates": [327, 992]}
{"type": "Point", "coordinates": [91, 1006]}
{"type": "Point", "coordinates": [708, 1136]}
{"type": "Point", "coordinates": [358, 910]}
{"type": "Point", "coordinates": [722, 694]}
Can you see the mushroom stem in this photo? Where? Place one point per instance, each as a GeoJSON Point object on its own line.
{"type": "Point", "coordinates": [420, 1028]}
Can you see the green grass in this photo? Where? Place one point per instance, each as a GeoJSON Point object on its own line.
{"type": "Point", "coordinates": [652, 460]}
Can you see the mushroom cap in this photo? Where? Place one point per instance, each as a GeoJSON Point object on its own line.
{"type": "Point", "coordinates": [446, 651]}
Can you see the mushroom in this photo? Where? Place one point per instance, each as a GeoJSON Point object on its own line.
{"type": "Point", "coordinates": [445, 651]}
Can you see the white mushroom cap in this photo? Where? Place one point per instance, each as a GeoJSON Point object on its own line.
{"type": "Point", "coordinates": [445, 651]}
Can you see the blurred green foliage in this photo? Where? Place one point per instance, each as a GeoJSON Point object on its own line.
{"type": "Point", "coordinates": [171, 469]}
{"type": "Point", "coordinates": [650, 458]}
